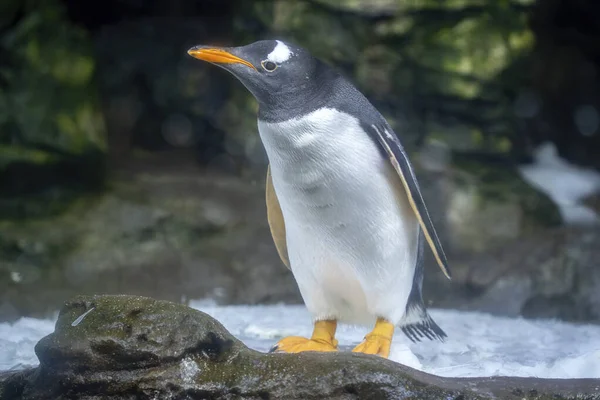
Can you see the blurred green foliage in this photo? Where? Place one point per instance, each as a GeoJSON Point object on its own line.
{"type": "Point", "coordinates": [448, 71]}
{"type": "Point", "coordinates": [49, 109]}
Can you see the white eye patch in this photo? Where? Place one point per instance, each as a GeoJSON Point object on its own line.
{"type": "Point", "coordinates": [280, 53]}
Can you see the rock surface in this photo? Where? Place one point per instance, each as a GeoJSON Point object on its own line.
{"type": "Point", "coordinates": [174, 232]}
{"type": "Point", "coordinates": [553, 274]}
{"type": "Point", "coordinates": [174, 237]}
{"type": "Point", "coordinates": [479, 205]}
{"type": "Point", "coordinates": [126, 347]}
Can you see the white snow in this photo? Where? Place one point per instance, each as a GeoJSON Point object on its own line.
{"type": "Point", "coordinates": [17, 341]}
{"type": "Point", "coordinates": [566, 184]}
{"type": "Point", "coordinates": [478, 344]}
{"type": "Point", "coordinates": [280, 53]}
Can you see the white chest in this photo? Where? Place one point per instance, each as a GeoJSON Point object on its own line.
{"type": "Point", "coordinates": [349, 228]}
{"type": "Point", "coordinates": [320, 164]}
{"type": "Point", "coordinates": [332, 179]}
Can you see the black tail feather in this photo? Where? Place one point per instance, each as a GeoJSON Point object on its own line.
{"type": "Point", "coordinates": [417, 324]}
{"type": "Point", "coordinates": [426, 328]}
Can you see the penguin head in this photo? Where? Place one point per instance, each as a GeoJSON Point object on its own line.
{"type": "Point", "coordinates": [271, 70]}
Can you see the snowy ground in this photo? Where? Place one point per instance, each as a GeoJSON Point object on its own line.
{"type": "Point", "coordinates": [478, 344]}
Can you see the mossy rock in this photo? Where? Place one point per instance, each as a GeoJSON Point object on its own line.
{"type": "Point", "coordinates": [123, 347]}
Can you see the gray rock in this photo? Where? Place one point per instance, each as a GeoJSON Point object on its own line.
{"type": "Point", "coordinates": [187, 236]}
{"type": "Point", "coordinates": [174, 237]}
{"type": "Point", "coordinates": [484, 212]}
{"type": "Point", "coordinates": [480, 206]}
{"type": "Point", "coordinates": [127, 347]}
{"type": "Point", "coordinates": [550, 275]}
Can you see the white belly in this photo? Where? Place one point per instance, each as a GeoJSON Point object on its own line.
{"type": "Point", "coordinates": [351, 234]}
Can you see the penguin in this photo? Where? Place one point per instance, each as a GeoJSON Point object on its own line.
{"type": "Point", "coordinates": [343, 203]}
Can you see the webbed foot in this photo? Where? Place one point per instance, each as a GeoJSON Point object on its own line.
{"type": "Point", "coordinates": [323, 339]}
{"type": "Point", "coordinates": [379, 341]}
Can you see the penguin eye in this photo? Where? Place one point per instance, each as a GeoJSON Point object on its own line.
{"type": "Point", "coordinates": [269, 66]}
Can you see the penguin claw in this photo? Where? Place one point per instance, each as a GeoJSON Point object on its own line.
{"type": "Point", "coordinates": [297, 344]}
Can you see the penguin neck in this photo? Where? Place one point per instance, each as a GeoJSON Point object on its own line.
{"type": "Point", "coordinates": [295, 101]}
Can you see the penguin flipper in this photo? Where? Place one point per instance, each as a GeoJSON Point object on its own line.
{"type": "Point", "coordinates": [399, 159]}
{"type": "Point", "coordinates": [276, 222]}
{"type": "Point", "coordinates": [416, 322]}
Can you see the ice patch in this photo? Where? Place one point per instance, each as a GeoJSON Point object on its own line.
{"type": "Point", "coordinates": [280, 53]}
{"type": "Point", "coordinates": [566, 184]}
{"type": "Point", "coordinates": [477, 345]}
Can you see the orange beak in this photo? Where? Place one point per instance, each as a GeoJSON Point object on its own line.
{"type": "Point", "coordinates": [217, 56]}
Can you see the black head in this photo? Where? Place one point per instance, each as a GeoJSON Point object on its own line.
{"type": "Point", "coordinates": [281, 76]}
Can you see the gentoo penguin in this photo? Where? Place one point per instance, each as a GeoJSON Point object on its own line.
{"type": "Point", "coordinates": [343, 203]}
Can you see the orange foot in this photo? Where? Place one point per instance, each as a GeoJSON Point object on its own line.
{"type": "Point", "coordinates": [379, 341]}
{"type": "Point", "coordinates": [323, 339]}
{"type": "Point", "coordinates": [297, 344]}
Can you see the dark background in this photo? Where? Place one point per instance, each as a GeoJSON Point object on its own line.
{"type": "Point", "coordinates": [126, 166]}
